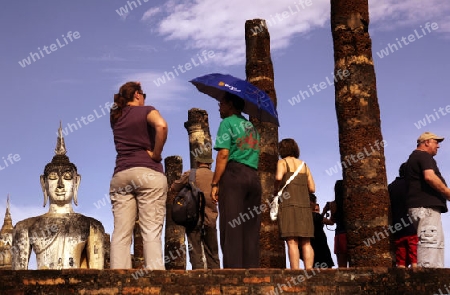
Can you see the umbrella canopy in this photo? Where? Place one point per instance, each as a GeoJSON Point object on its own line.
{"type": "Point", "coordinates": [257, 103]}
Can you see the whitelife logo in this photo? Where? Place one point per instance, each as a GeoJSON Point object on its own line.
{"type": "Point", "coordinates": [391, 48]}
{"type": "Point", "coordinates": [35, 56]}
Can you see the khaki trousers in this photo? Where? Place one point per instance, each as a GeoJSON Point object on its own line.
{"type": "Point", "coordinates": [136, 191]}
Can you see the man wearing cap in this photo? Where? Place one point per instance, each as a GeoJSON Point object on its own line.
{"type": "Point", "coordinates": [426, 200]}
{"type": "Point", "coordinates": [203, 179]}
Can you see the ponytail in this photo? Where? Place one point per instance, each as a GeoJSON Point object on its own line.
{"type": "Point", "coordinates": [125, 95]}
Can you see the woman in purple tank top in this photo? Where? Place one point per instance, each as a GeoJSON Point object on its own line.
{"type": "Point", "coordinates": [139, 186]}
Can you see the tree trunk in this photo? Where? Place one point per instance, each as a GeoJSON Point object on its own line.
{"type": "Point", "coordinates": [259, 71]}
{"type": "Point", "coordinates": [366, 199]}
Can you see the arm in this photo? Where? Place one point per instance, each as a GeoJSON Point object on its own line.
{"type": "Point", "coordinates": [311, 184]}
{"type": "Point", "coordinates": [221, 164]}
{"type": "Point", "coordinates": [157, 121]}
{"type": "Point", "coordinates": [329, 206]}
{"type": "Point", "coordinates": [333, 209]}
{"type": "Point", "coordinates": [435, 182]}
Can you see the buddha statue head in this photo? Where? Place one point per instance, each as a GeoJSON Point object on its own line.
{"type": "Point", "coordinates": [60, 180]}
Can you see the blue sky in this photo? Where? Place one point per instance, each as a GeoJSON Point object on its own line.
{"type": "Point", "coordinates": [73, 79]}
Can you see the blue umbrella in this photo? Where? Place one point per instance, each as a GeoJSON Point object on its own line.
{"type": "Point", "coordinates": [257, 103]}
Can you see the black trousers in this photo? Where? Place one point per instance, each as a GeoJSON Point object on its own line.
{"type": "Point", "coordinates": [240, 216]}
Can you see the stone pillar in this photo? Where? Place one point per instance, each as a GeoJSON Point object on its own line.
{"type": "Point", "coordinates": [138, 246]}
{"type": "Point", "coordinates": [174, 246]}
{"type": "Point", "coordinates": [107, 250]}
{"type": "Point", "coordinates": [366, 199]}
{"type": "Point", "coordinates": [197, 127]}
{"type": "Point", "coordinates": [259, 71]}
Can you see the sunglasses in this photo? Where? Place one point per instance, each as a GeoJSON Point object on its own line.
{"type": "Point", "coordinates": [143, 94]}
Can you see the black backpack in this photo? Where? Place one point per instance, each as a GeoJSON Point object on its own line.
{"type": "Point", "coordinates": [189, 204]}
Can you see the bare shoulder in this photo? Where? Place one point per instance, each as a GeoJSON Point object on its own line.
{"type": "Point", "coordinates": [281, 164]}
{"type": "Point", "coordinates": [299, 162]}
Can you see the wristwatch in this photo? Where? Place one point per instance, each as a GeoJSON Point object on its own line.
{"type": "Point", "coordinates": [214, 184]}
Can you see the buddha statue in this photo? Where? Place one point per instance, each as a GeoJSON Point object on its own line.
{"type": "Point", "coordinates": [61, 238]}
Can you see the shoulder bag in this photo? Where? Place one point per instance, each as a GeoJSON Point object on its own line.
{"type": "Point", "coordinates": [274, 204]}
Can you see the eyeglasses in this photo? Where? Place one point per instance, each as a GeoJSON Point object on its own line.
{"type": "Point", "coordinates": [143, 94]}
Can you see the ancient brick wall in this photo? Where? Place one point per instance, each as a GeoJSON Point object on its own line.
{"type": "Point", "coordinates": [378, 280]}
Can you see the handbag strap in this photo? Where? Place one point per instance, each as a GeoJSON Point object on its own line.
{"type": "Point", "coordinates": [291, 178]}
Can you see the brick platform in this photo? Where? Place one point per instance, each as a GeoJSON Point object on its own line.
{"type": "Point", "coordinates": [229, 282]}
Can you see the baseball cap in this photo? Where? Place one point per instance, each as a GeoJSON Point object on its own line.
{"type": "Point", "coordinates": [202, 158]}
{"type": "Point", "coordinates": [428, 135]}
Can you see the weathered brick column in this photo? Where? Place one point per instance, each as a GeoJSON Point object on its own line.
{"type": "Point", "coordinates": [259, 71]}
{"type": "Point", "coordinates": [197, 127]}
{"type": "Point", "coordinates": [107, 250]}
{"type": "Point", "coordinates": [138, 246]}
{"type": "Point", "coordinates": [174, 235]}
{"type": "Point", "coordinates": [366, 199]}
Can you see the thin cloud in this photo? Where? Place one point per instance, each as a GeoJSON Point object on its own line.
{"type": "Point", "coordinates": [150, 13]}
{"type": "Point", "coordinates": [106, 57]}
{"type": "Point", "coordinates": [393, 14]}
{"type": "Point", "coordinates": [219, 25]}
{"type": "Point", "coordinates": [145, 48]}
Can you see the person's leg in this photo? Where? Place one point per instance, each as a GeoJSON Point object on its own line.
{"type": "Point", "coordinates": [411, 246]}
{"type": "Point", "coordinates": [232, 216]}
{"type": "Point", "coordinates": [300, 254]}
{"type": "Point", "coordinates": [195, 249]}
{"type": "Point", "coordinates": [293, 253]}
{"type": "Point", "coordinates": [151, 195]}
{"type": "Point", "coordinates": [307, 251]}
{"type": "Point", "coordinates": [340, 249]}
{"type": "Point", "coordinates": [124, 211]}
{"type": "Point", "coordinates": [431, 240]}
{"type": "Point", "coordinates": [400, 252]}
{"type": "Point", "coordinates": [252, 227]}
{"type": "Point", "coordinates": [430, 249]}
{"type": "Point", "coordinates": [342, 260]}
{"type": "Point", "coordinates": [211, 248]}
{"type": "Point", "coordinates": [210, 238]}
